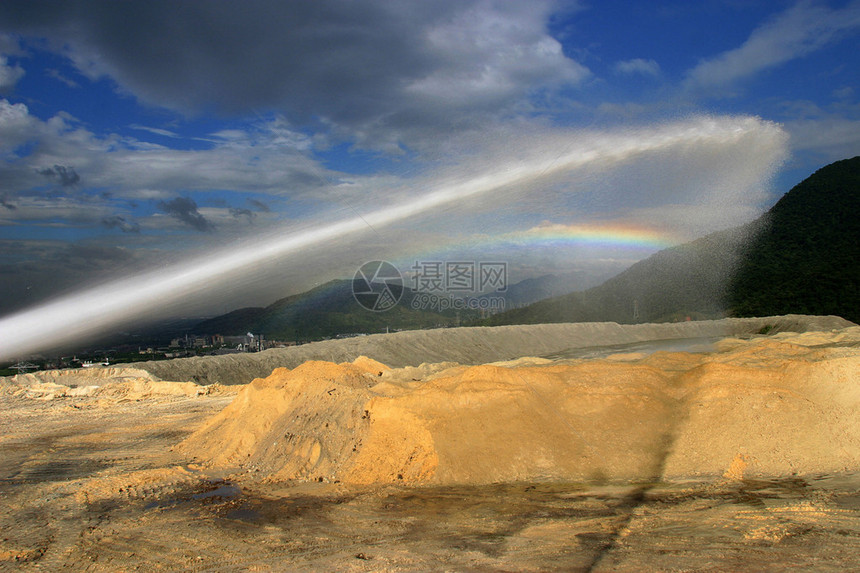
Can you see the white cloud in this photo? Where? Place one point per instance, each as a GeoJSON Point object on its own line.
{"type": "Point", "coordinates": [155, 130]}
{"type": "Point", "coordinates": [638, 66]}
{"type": "Point", "coordinates": [268, 158]}
{"type": "Point", "coordinates": [15, 125]}
{"type": "Point", "coordinates": [800, 30]}
{"type": "Point", "coordinates": [9, 75]}
{"type": "Point", "coordinates": [488, 54]}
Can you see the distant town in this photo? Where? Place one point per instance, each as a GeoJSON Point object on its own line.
{"type": "Point", "coordinates": [179, 347]}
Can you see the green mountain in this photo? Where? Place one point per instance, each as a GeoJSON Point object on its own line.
{"type": "Point", "coordinates": [327, 311]}
{"type": "Point", "coordinates": [331, 309]}
{"type": "Point", "coordinates": [800, 257]}
{"type": "Point", "coordinates": [806, 259]}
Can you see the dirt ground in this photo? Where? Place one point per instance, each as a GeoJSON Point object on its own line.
{"type": "Point", "coordinates": [92, 479]}
{"type": "Point", "coordinates": [94, 488]}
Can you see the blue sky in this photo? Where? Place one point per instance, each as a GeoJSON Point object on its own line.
{"type": "Point", "coordinates": [136, 134]}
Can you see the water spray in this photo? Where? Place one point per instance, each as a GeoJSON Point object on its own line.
{"type": "Point", "coordinates": [83, 314]}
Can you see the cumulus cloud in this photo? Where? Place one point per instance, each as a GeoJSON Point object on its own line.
{"type": "Point", "coordinates": [9, 75]}
{"type": "Point", "coordinates": [504, 53]}
{"type": "Point", "coordinates": [368, 70]}
{"type": "Point", "coordinates": [16, 125]}
{"type": "Point", "coordinates": [638, 66]}
{"type": "Point", "coordinates": [800, 30]}
{"type": "Point", "coordinates": [184, 209]}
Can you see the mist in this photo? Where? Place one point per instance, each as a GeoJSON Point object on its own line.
{"type": "Point", "coordinates": [685, 177]}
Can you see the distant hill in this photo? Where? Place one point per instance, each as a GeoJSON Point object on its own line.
{"type": "Point", "coordinates": [330, 310]}
{"type": "Point", "coordinates": [801, 257]}
{"type": "Point", "coordinates": [327, 311]}
{"type": "Point", "coordinates": [531, 290]}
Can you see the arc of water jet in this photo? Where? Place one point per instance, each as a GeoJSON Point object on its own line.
{"type": "Point", "coordinates": [85, 313]}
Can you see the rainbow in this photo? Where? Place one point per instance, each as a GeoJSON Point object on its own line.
{"type": "Point", "coordinates": [617, 236]}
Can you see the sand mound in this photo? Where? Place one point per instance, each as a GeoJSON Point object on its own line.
{"type": "Point", "coordinates": [773, 407]}
{"type": "Point", "coordinates": [768, 406]}
{"type": "Point", "coordinates": [74, 377]}
{"type": "Point", "coordinates": [116, 383]}
{"type": "Point", "coordinates": [280, 425]}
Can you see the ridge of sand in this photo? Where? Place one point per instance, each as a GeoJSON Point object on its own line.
{"type": "Point", "coordinates": [766, 406]}
{"type": "Point", "coordinates": [472, 345]}
{"type": "Point", "coordinates": [117, 383]}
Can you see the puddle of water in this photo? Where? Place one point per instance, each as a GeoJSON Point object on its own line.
{"type": "Point", "coordinates": [649, 347]}
{"type": "Point", "coordinates": [217, 491]}
{"type": "Point", "coordinates": [224, 491]}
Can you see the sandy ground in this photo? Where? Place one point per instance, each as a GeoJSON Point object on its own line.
{"type": "Point", "coordinates": [743, 457]}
